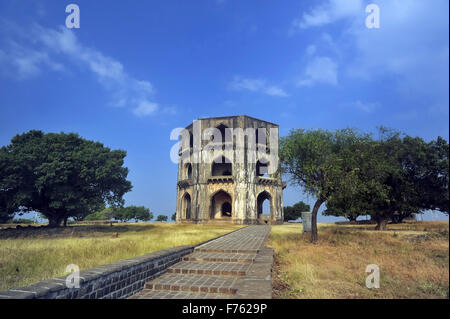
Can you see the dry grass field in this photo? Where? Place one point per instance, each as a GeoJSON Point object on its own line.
{"type": "Point", "coordinates": [35, 254]}
{"type": "Point", "coordinates": [413, 258]}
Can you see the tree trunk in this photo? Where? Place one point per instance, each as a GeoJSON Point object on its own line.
{"type": "Point", "coordinates": [381, 223]}
{"type": "Point", "coordinates": [397, 219]}
{"type": "Point", "coordinates": [351, 218]}
{"type": "Point", "coordinates": [314, 235]}
{"type": "Point", "coordinates": [65, 222]}
{"type": "Point", "coordinates": [54, 221]}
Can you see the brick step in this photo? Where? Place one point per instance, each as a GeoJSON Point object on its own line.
{"type": "Point", "coordinates": [168, 294]}
{"type": "Point", "coordinates": [193, 283]}
{"type": "Point", "coordinates": [210, 268]}
{"type": "Point", "coordinates": [221, 257]}
{"type": "Point", "coordinates": [226, 250]}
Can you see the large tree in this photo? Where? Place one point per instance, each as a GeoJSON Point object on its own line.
{"type": "Point", "coordinates": [128, 213]}
{"type": "Point", "coordinates": [161, 218]}
{"type": "Point", "coordinates": [294, 212]}
{"type": "Point", "coordinates": [366, 185]}
{"type": "Point", "coordinates": [320, 162]}
{"type": "Point", "coordinates": [343, 206]}
{"type": "Point", "coordinates": [142, 213]}
{"type": "Point", "coordinates": [8, 207]}
{"type": "Point", "coordinates": [367, 191]}
{"type": "Point", "coordinates": [434, 183]}
{"type": "Point", "coordinates": [5, 216]}
{"type": "Point", "coordinates": [60, 175]}
{"type": "Point", "coordinates": [398, 176]}
{"type": "Point", "coordinates": [416, 175]}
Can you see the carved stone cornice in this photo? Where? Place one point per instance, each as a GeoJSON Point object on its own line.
{"type": "Point", "coordinates": [220, 179]}
{"type": "Point", "coordinates": [184, 183]}
{"type": "Point", "coordinates": [268, 181]}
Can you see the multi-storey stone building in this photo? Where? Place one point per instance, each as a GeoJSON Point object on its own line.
{"type": "Point", "coordinates": [228, 168]}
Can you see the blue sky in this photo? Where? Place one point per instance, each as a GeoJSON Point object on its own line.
{"type": "Point", "coordinates": [136, 70]}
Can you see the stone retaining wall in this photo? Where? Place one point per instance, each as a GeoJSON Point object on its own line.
{"type": "Point", "coordinates": [118, 280]}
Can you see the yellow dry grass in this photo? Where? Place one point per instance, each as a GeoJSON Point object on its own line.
{"type": "Point", "coordinates": [413, 259]}
{"type": "Point", "coordinates": [29, 256]}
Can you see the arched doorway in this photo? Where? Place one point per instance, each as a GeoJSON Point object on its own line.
{"type": "Point", "coordinates": [186, 206]}
{"type": "Point", "coordinates": [221, 206]}
{"type": "Point", "coordinates": [226, 209]}
{"type": "Point", "coordinates": [264, 207]}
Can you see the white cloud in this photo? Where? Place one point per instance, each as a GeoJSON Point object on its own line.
{"type": "Point", "coordinates": [275, 91]}
{"type": "Point", "coordinates": [310, 50]}
{"type": "Point", "coordinates": [145, 108]}
{"type": "Point", "coordinates": [329, 12]}
{"type": "Point", "coordinates": [320, 63]}
{"type": "Point", "coordinates": [126, 90]}
{"type": "Point", "coordinates": [255, 85]}
{"type": "Point", "coordinates": [320, 70]}
{"type": "Point", "coordinates": [411, 46]}
{"type": "Point", "coordinates": [239, 84]}
{"type": "Point", "coordinates": [62, 40]}
{"type": "Point", "coordinates": [21, 62]}
{"type": "Point", "coordinates": [413, 35]}
{"type": "Point", "coordinates": [41, 47]}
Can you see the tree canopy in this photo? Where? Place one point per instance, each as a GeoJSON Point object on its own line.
{"type": "Point", "coordinates": [104, 214]}
{"type": "Point", "coordinates": [161, 218]}
{"type": "Point", "coordinates": [389, 178]}
{"type": "Point", "coordinates": [60, 175]}
{"type": "Point", "coordinates": [402, 176]}
{"type": "Point", "coordinates": [415, 176]}
{"type": "Point", "coordinates": [294, 212]}
{"type": "Point", "coordinates": [315, 160]}
{"type": "Point", "coordinates": [128, 213]}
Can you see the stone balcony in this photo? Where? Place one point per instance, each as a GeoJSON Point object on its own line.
{"type": "Point", "coordinates": [221, 179]}
{"type": "Point", "coordinates": [184, 183]}
{"type": "Point", "coordinates": [267, 180]}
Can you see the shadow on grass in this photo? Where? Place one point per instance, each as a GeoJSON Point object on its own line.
{"type": "Point", "coordinates": [390, 228]}
{"type": "Point", "coordinates": [72, 231]}
{"type": "Point", "coordinates": [424, 226]}
{"type": "Point", "coordinates": [116, 228]}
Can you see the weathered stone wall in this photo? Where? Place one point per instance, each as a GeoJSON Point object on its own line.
{"type": "Point", "coordinates": [114, 281]}
{"type": "Point", "coordinates": [243, 186]}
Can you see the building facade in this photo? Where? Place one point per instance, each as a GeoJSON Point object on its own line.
{"type": "Point", "coordinates": [229, 172]}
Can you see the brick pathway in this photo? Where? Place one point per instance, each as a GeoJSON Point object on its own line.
{"type": "Point", "coordinates": [236, 265]}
